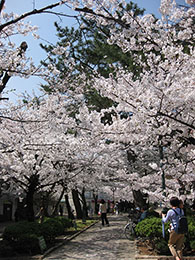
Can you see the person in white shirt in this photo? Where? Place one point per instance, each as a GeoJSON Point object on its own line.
{"type": "Point", "coordinates": [103, 212]}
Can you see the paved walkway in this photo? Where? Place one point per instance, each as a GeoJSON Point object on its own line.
{"type": "Point", "coordinates": [97, 243]}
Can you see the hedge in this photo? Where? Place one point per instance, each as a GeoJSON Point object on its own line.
{"type": "Point", "coordinates": [151, 229]}
{"type": "Point", "coordinates": [23, 237]}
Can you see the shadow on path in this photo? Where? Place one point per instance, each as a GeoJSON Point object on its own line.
{"type": "Point", "coordinates": [98, 243]}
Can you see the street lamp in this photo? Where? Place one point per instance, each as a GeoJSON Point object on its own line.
{"type": "Point", "coordinates": [113, 189]}
{"type": "Point", "coordinates": [161, 167]}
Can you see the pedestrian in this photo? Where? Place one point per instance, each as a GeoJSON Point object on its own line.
{"type": "Point", "coordinates": [181, 205]}
{"type": "Point", "coordinates": [136, 214]}
{"type": "Point", "coordinates": [61, 210]}
{"type": "Point", "coordinates": [116, 208]}
{"type": "Point", "coordinates": [103, 212]}
{"type": "Point", "coordinates": [144, 213]}
{"type": "Point", "coordinates": [176, 240]}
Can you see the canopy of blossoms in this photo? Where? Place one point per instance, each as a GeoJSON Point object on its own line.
{"type": "Point", "coordinates": [47, 141]}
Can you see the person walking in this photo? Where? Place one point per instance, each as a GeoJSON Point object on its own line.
{"type": "Point", "coordinates": [103, 212]}
{"type": "Point", "coordinates": [176, 240]}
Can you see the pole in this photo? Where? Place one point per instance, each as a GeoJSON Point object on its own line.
{"type": "Point", "coordinates": [162, 170]}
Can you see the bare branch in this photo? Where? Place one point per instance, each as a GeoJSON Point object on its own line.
{"type": "Point", "coordinates": [23, 47]}
{"type": "Point", "coordinates": [35, 11]}
{"type": "Point", "coordinates": [22, 121]}
{"type": "Point", "coordinates": [1, 98]}
{"type": "Point", "coordinates": [2, 5]}
{"type": "Point", "coordinates": [110, 18]}
{"type": "Point", "coordinates": [175, 119]}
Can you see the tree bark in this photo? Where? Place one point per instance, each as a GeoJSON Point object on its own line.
{"type": "Point", "coordinates": [55, 210]}
{"type": "Point", "coordinates": [139, 198]}
{"type": "Point", "coordinates": [85, 211]}
{"type": "Point", "coordinates": [70, 213]}
{"type": "Point", "coordinates": [77, 204]}
{"type": "Point", "coordinates": [33, 183]}
{"type": "Point", "coordinates": [2, 5]}
{"type": "Point", "coordinates": [95, 197]}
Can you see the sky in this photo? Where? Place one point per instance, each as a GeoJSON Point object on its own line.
{"type": "Point", "coordinates": [47, 33]}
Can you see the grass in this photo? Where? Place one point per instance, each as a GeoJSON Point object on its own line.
{"type": "Point", "coordinates": [79, 225]}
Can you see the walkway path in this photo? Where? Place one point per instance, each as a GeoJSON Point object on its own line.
{"type": "Point", "coordinates": [97, 243]}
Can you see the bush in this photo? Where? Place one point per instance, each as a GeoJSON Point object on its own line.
{"type": "Point", "coordinates": [23, 236]}
{"type": "Point", "coordinates": [162, 247]}
{"type": "Point", "coordinates": [13, 233]}
{"type": "Point", "coordinates": [66, 222]}
{"type": "Point", "coordinates": [192, 244]}
{"type": "Point", "coordinates": [191, 228]}
{"type": "Point", "coordinates": [28, 243]}
{"type": "Point", "coordinates": [150, 227]}
{"type": "Point", "coordinates": [51, 228]}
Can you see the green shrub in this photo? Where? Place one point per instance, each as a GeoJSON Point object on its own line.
{"type": "Point", "coordinates": [23, 236]}
{"type": "Point", "coordinates": [150, 227]}
{"type": "Point", "coordinates": [66, 222]}
{"type": "Point", "coordinates": [191, 228]}
{"type": "Point", "coordinates": [12, 233]}
{"type": "Point", "coordinates": [162, 247]}
{"type": "Point", "coordinates": [192, 244]}
{"type": "Point", "coordinates": [51, 228]}
{"type": "Point", "coordinates": [28, 243]}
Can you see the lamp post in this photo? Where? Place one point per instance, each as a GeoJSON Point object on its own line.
{"type": "Point", "coordinates": [113, 189]}
{"type": "Point", "coordinates": [161, 154]}
{"type": "Point", "coordinates": [95, 196]}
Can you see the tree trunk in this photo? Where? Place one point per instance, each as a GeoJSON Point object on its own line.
{"type": "Point", "coordinates": [70, 213]}
{"type": "Point", "coordinates": [95, 197]}
{"type": "Point", "coordinates": [29, 210]}
{"type": "Point", "coordinates": [85, 211]}
{"type": "Point", "coordinates": [77, 204]}
{"type": "Point", "coordinates": [45, 199]}
{"type": "Point", "coordinates": [139, 198]}
{"type": "Point", "coordinates": [33, 183]}
{"type": "Point", "coordinates": [55, 210]}
{"type": "Point", "coordinates": [45, 204]}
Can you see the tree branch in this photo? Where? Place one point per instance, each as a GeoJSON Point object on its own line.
{"type": "Point", "coordinates": [175, 119]}
{"type": "Point", "coordinates": [35, 11]}
{"type": "Point", "coordinates": [23, 47]}
{"type": "Point", "coordinates": [22, 121]}
{"type": "Point", "coordinates": [2, 5]}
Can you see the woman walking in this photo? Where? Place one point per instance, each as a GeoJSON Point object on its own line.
{"type": "Point", "coordinates": [103, 212]}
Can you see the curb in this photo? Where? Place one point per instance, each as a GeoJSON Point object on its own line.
{"type": "Point", "coordinates": [40, 257]}
{"type": "Point", "coordinates": [66, 240]}
{"type": "Point", "coordinates": [161, 257]}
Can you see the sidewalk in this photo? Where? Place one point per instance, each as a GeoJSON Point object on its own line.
{"type": "Point", "coordinates": [99, 243]}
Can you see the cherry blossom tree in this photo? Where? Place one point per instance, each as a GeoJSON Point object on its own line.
{"type": "Point", "coordinates": [156, 138]}
{"type": "Point", "coordinates": [163, 113]}
{"type": "Point", "coordinates": [13, 59]}
{"type": "Point", "coordinates": [44, 150]}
